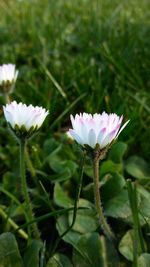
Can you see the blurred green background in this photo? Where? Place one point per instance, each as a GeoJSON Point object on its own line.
{"type": "Point", "coordinates": [76, 56]}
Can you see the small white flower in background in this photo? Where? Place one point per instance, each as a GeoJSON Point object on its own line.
{"type": "Point", "coordinates": [101, 129]}
{"type": "Point", "coordinates": [23, 118]}
{"type": "Point", "coordinates": [8, 76]}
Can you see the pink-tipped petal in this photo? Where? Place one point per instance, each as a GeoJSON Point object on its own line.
{"type": "Point", "coordinates": [95, 129]}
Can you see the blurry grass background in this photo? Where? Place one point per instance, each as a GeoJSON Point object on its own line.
{"type": "Point", "coordinates": [81, 55]}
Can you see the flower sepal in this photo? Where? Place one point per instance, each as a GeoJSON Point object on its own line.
{"type": "Point", "coordinates": [6, 87]}
{"type": "Point", "coordinates": [97, 152]}
{"type": "Point", "coordinates": [22, 133]}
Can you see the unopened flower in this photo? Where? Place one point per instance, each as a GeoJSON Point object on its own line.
{"type": "Point", "coordinates": [96, 130]}
{"type": "Point", "coordinates": [8, 76]}
{"type": "Point", "coordinates": [24, 119]}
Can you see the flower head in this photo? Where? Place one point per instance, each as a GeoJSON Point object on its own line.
{"type": "Point", "coordinates": [24, 119]}
{"type": "Point", "coordinates": [98, 129]}
{"type": "Point", "coordinates": [8, 76]}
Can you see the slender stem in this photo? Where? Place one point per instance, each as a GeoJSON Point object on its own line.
{"type": "Point", "coordinates": [138, 241]}
{"type": "Point", "coordinates": [24, 184]}
{"type": "Point", "coordinates": [13, 198]}
{"type": "Point", "coordinates": [28, 206]}
{"type": "Point", "coordinates": [7, 98]}
{"type": "Point", "coordinates": [98, 203]}
{"type": "Point", "coordinates": [75, 204]}
{"type": "Point", "coordinates": [29, 162]}
{"type": "Point", "coordinates": [13, 224]}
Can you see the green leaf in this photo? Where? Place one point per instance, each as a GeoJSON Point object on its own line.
{"type": "Point", "coordinates": [144, 209]}
{"type": "Point", "coordinates": [59, 260]}
{"type": "Point", "coordinates": [144, 260]}
{"type": "Point", "coordinates": [137, 167]}
{"type": "Point", "coordinates": [88, 170]}
{"type": "Point", "coordinates": [61, 176]}
{"type": "Point", "coordinates": [58, 165]}
{"type": "Point", "coordinates": [126, 245]}
{"type": "Point", "coordinates": [88, 192]}
{"type": "Point", "coordinates": [60, 197]}
{"type": "Point", "coordinates": [109, 166]}
{"type": "Point", "coordinates": [117, 152]}
{"type": "Point", "coordinates": [65, 169]}
{"type": "Point", "coordinates": [9, 252]}
{"type": "Point", "coordinates": [31, 256]}
{"type": "Point", "coordinates": [86, 220]}
{"type": "Point", "coordinates": [113, 186]}
{"type": "Point", "coordinates": [10, 181]}
{"type": "Point", "coordinates": [118, 207]}
{"type": "Point", "coordinates": [93, 250]}
{"type": "Point", "coordinates": [50, 145]}
{"type": "Point", "coordinates": [62, 225]}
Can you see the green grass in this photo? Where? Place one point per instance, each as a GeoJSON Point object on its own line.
{"type": "Point", "coordinates": [98, 49]}
{"type": "Point", "coordinates": [75, 56]}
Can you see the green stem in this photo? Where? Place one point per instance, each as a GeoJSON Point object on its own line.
{"type": "Point", "coordinates": [75, 204]}
{"type": "Point", "coordinates": [7, 98]}
{"type": "Point", "coordinates": [138, 240]}
{"type": "Point", "coordinates": [98, 203]}
{"type": "Point", "coordinates": [28, 206]}
{"type": "Point", "coordinates": [13, 198]}
{"type": "Point", "coordinates": [29, 163]}
{"type": "Point", "coordinates": [13, 224]}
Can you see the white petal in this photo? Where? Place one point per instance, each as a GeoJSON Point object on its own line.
{"type": "Point", "coordinates": [8, 73]}
{"type": "Point", "coordinates": [9, 117]}
{"type": "Point", "coordinates": [92, 138]}
{"type": "Point", "coordinates": [21, 114]}
{"type": "Point", "coordinates": [76, 136]}
{"type": "Point", "coordinates": [72, 121]}
{"type": "Point", "coordinates": [101, 136]}
{"type": "Point", "coordinates": [108, 139]}
{"type": "Point", "coordinates": [97, 128]}
{"type": "Point", "coordinates": [121, 129]}
{"type": "Point", "coordinates": [84, 133]}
